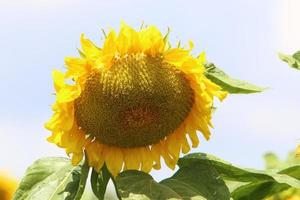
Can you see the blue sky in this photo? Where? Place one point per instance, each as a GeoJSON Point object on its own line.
{"type": "Point", "coordinates": [241, 37]}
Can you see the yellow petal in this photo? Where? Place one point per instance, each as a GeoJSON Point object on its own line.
{"type": "Point", "coordinates": [68, 93]}
{"type": "Point", "coordinates": [170, 162]}
{"type": "Point", "coordinates": [184, 144]}
{"type": "Point", "coordinates": [132, 159]}
{"type": "Point", "coordinates": [173, 144]}
{"type": "Point", "coordinates": [175, 56]}
{"type": "Point", "coordinates": [190, 65]}
{"type": "Point", "coordinates": [89, 48]}
{"type": "Point", "coordinates": [202, 57]}
{"type": "Point", "coordinates": [59, 80]}
{"type": "Point", "coordinates": [109, 48]}
{"type": "Point", "coordinates": [194, 138]}
{"type": "Point", "coordinates": [155, 152]}
{"type": "Point", "coordinates": [113, 159]}
{"type": "Point", "coordinates": [152, 41]}
{"type": "Point", "coordinates": [123, 41]}
{"type": "Point", "coordinates": [95, 156]}
{"type": "Point", "coordinates": [54, 122]}
{"type": "Point", "coordinates": [74, 140]}
{"type": "Point", "coordinates": [76, 67]}
{"type": "Point", "coordinates": [55, 137]}
{"type": "Point", "coordinates": [128, 40]}
{"type": "Point", "coordinates": [62, 119]}
{"type": "Point", "coordinates": [147, 161]}
{"type": "Point", "coordinates": [76, 158]}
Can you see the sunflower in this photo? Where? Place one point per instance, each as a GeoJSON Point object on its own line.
{"type": "Point", "coordinates": [131, 101]}
{"type": "Point", "coordinates": [8, 186]}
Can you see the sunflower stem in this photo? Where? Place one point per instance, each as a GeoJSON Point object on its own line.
{"type": "Point", "coordinates": [83, 178]}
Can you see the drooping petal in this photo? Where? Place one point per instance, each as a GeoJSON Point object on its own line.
{"type": "Point", "coordinates": [147, 160]}
{"type": "Point", "coordinates": [76, 158]}
{"type": "Point", "coordinates": [94, 151]}
{"type": "Point", "coordinates": [113, 159]}
{"type": "Point", "coordinates": [155, 152]}
{"type": "Point", "coordinates": [194, 138]}
{"type": "Point", "coordinates": [132, 159]}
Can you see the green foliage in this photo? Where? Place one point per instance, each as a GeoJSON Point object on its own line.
{"type": "Point", "coordinates": [99, 182]}
{"type": "Point", "coordinates": [200, 176]}
{"type": "Point", "coordinates": [273, 162]}
{"type": "Point", "coordinates": [293, 60]}
{"type": "Point", "coordinates": [290, 166]}
{"type": "Point", "coordinates": [231, 85]}
{"type": "Point", "coordinates": [244, 183]}
{"type": "Point", "coordinates": [139, 185]}
{"type": "Point", "coordinates": [52, 179]}
{"type": "Point", "coordinates": [197, 182]}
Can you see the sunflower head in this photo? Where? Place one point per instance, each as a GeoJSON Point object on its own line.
{"type": "Point", "coordinates": [8, 186]}
{"type": "Point", "coordinates": [131, 101]}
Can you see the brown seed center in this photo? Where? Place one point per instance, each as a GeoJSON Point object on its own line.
{"type": "Point", "coordinates": [136, 102]}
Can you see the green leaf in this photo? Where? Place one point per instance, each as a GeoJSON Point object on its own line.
{"type": "Point", "coordinates": [83, 177]}
{"type": "Point", "coordinates": [139, 185]}
{"type": "Point", "coordinates": [99, 182]}
{"type": "Point", "coordinates": [293, 171]}
{"type": "Point", "coordinates": [245, 183]}
{"type": "Point", "coordinates": [231, 85]}
{"type": "Point", "coordinates": [198, 180]}
{"type": "Point", "coordinates": [258, 190]}
{"type": "Point", "coordinates": [51, 179]}
{"type": "Point", "coordinates": [190, 182]}
{"type": "Point", "coordinates": [293, 60]}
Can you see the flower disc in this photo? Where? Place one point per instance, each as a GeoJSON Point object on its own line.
{"type": "Point", "coordinates": [136, 102]}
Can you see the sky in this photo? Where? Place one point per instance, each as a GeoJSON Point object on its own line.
{"type": "Point", "coordinates": [241, 37]}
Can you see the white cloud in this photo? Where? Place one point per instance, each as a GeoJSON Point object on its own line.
{"type": "Point", "coordinates": [289, 27]}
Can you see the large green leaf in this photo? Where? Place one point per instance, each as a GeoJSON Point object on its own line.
{"type": "Point", "coordinates": [133, 184]}
{"type": "Point", "coordinates": [245, 183]}
{"type": "Point", "coordinates": [293, 60]}
{"type": "Point", "coordinates": [231, 85]}
{"type": "Point", "coordinates": [52, 179]}
{"type": "Point", "coordinates": [200, 182]}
